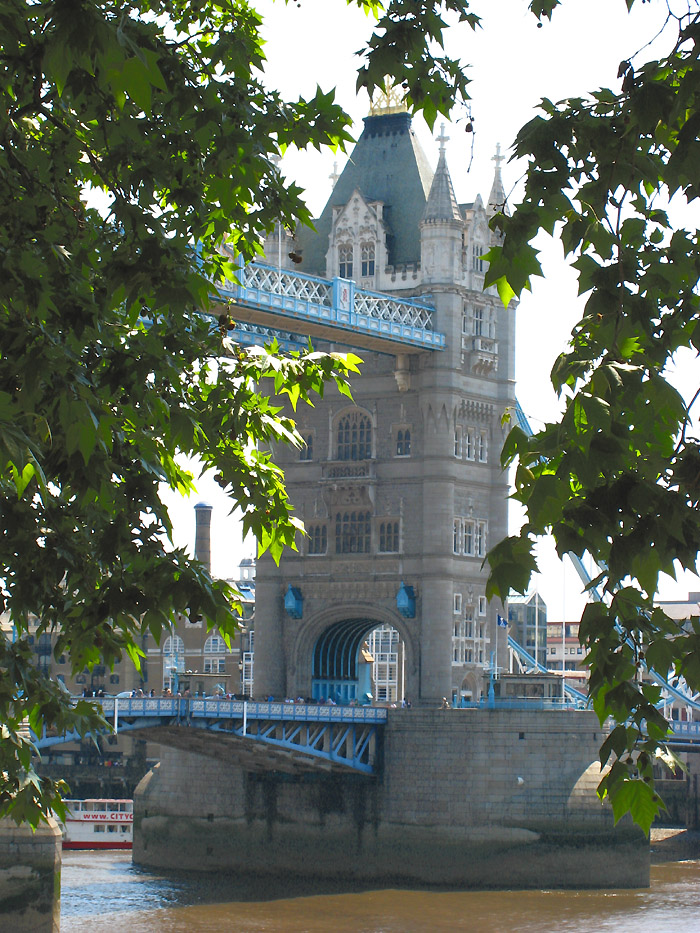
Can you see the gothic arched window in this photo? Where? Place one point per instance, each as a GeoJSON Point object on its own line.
{"type": "Point", "coordinates": [354, 437]}
{"type": "Point", "coordinates": [306, 451]}
{"type": "Point", "coordinates": [345, 261]}
{"type": "Point", "coordinates": [389, 537]}
{"type": "Point", "coordinates": [353, 532]}
{"type": "Point", "coordinates": [403, 443]}
{"type": "Point", "coordinates": [367, 259]}
{"type": "Point", "coordinates": [318, 539]}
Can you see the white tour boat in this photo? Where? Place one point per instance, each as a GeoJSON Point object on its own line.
{"type": "Point", "coordinates": [98, 824]}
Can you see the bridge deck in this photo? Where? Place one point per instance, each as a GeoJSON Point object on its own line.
{"type": "Point", "coordinates": [291, 737]}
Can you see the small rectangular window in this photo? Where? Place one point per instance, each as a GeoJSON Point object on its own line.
{"type": "Point", "coordinates": [482, 605]}
{"type": "Point", "coordinates": [469, 538]}
{"type": "Point", "coordinates": [345, 262]}
{"type": "Point", "coordinates": [480, 546]}
{"type": "Point", "coordinates": [317, 539]}
{"type": "Point", "coordinates": [469, 444]}
{"type": "Point", "coordinates": [458, 602]}
{"type": "Point", "coordinates": [403, 442]}
{"type": "Point", "coordinates": [306, 451]}
{"type": "Point", "coordinates": [389, 537]}
{"type": "Point", "coordinates": [457, 536]}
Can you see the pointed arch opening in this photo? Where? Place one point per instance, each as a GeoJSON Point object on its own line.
{"type": "Point", "coordinates": [358, 660]}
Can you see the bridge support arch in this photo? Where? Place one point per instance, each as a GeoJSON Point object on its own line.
{"type": "Point", "coordinates": [330, 656]}
{"type": "Point", "coordinates": [322, 655]}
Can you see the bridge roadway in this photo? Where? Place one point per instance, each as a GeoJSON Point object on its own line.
{"type": "Point", "coordinates": [292, 738]}
{"type": "Point", "coordinates": [286, 737]}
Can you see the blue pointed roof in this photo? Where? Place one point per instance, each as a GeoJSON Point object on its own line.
{"type": "Point", "coordinates": [442, 203]}
{"type": "Point", "coordinates": [387, 165]}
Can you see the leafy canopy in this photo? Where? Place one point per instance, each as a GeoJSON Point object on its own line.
{"type": "Point", "coordinates": [156, 112]}
{"type": "Point", "coordinates": [108, 370]}
{"type": "Point", "coordinates": [617, 477]}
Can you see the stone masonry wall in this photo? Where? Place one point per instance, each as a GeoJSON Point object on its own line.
{"type": "Point", "coordinates": [30, 878]}
{"type": "Point", "coordinates": [470, 799]}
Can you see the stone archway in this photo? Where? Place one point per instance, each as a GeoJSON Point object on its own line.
{"type": "Point", "coordinates": [341, 665]}
{"type": "Point", "coordinates": [470, 688]}
{"type": "Point", "coordinates": [328, 649]}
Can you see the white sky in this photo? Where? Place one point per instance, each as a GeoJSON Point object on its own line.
{"type": "Point", "coordinates": [513, 65]}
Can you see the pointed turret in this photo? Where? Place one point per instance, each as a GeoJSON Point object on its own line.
{"type": "Point", "coordinates": [497, 198]}
{"type": "Point", "coordinates": [442, 204]}
{"type": "Point", "coordinates": [389, 166]}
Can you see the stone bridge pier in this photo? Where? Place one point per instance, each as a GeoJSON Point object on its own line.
{"type": "Point", "coordinates": [465, 798]}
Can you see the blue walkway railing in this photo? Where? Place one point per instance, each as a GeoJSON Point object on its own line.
{"type": "Point", "coordinates": [335, 309]}
{"type": "Point", "coordinates": [314, 735]}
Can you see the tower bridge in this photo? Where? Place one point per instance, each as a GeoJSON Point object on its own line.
{"type": "Point", "coordinates": [401, 493]}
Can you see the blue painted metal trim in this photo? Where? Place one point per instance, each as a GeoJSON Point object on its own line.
{"type": "Point", "coordinates": [340, 313]}
{"type": "Point", "coordinates": [319, 727]}
{"type": "Point", "coordinates": [335, 736]}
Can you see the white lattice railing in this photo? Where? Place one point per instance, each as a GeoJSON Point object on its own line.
{"type": "Point", "coordinates": [290, 284]}
{"type": "Point", "coordinates": [318, 291]}
{"type": "Point", "coordinates": [384, 308]}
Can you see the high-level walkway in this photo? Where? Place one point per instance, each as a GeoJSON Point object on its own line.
{"type": "Point", "coordinates": [269, 302]}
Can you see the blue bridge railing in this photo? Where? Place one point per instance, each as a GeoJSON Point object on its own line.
{"type": "Point", "coordinates": [296, 302]}
{"type": "Point", "coordinates": [309, 735]}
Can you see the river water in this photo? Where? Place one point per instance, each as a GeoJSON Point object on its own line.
{"type": "Point", "coordinates": [104, 893]}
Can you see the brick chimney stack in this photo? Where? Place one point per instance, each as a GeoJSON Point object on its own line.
{"type": "Point", "coordinates": [202, 539]}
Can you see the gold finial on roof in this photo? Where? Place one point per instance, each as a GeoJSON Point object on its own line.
{"type": "Point", "coordinates": [390, 99]}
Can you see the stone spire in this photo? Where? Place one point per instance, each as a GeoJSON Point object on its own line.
{"type": "Point", "coordinates": [442, 203]}
{"type": "Point", "coordinates": [334, 176]}
{"type": "Point", "coordinates": [497, 198]}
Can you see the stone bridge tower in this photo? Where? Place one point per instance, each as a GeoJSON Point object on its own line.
{"type": "Point", "coordinates": [400, 490]}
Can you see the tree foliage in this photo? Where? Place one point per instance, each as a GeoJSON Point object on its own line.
{"type": "Point", "coordinates": [614, 176]}
{"type": "Point", "coordinates": [137, 140]}
{"type": "Point", "coordinates": [156, 113]}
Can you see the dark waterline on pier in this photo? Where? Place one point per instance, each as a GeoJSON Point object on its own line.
{"type": "Point", "coordinates": [104, 893]}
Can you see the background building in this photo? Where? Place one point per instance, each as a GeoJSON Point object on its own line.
{"type": "Point", "coordinates": [527, 616]}
{"type": "Point", "coordinates": [565, 653]}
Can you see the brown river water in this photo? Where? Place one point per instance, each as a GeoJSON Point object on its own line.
{"type": "Point", "coordinates": [104, 893]}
